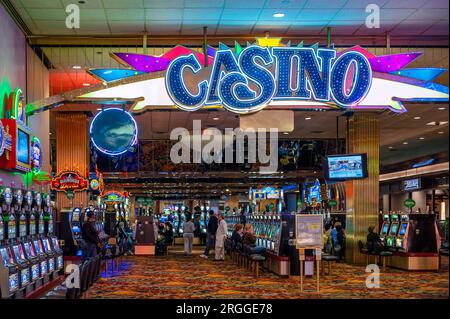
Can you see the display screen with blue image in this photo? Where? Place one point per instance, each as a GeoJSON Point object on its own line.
{"type": "Point", "coordinates": [23, 147]}
{"type": "Point", "coordinates": [342, 167]}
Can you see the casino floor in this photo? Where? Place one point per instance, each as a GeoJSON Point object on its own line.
{"type": "Point", "coordinates": [175, 276]}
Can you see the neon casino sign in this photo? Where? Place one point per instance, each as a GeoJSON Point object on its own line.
{"type": "Point", "coordinates": [267, 73]}
{"type": "Point", "coordinates": [318, 76]}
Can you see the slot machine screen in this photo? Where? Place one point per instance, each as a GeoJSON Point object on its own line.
{"type": "Point", "coordinates": [25, 275]}
{"type": "Point", "coordinates": [22, 227]}
{"type": "Point", "coordinates": [38, 248]}
{"type": "Point", "coordinates": [29, 250]}
{"type": "Point", "coordinates": [55, 243]}
{"type": "Point", "coordinates": [44, 268]}
{"type": "Point", "coordinates": [2, 235]}
{"type": "Point", "coordinates": [60, 262]}
{"type": "Point", "coordinates": [385, 229]}
{"type": "Point", "coordinates": [76, 215]}
{"type": "Point", "coordinates": [32, 225]}
{"type": "Point", "coordinates": [51, 264]}
{"type": "Point", "coordinates": [13, 282]}
{"type": "Point", "coordinates": [17, 253]}
{"type": "Point", "coordinates": [5, 257]}
{"type": "Point", "coordinates": [35, 271]}
{"type": "Point", "coordinates": [47, 245]}
{"type": "Point", "coordinates": [403, 229]}
{"type": "Point", "coordinates": [394, 229]}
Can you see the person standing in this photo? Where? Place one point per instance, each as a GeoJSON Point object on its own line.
{"type": "Point", "coordinates": [90, 240]}
{"type": "Point", "coordinates": [221, 234]}
{"type": "Point", "coordinates": [188, 236]}
{"type": "Point", "coordinates": [211, 230]}
{"type": "Point", "coordinates": [243, 218]}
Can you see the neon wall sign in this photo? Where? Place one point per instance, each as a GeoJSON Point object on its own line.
{"type": "Point", "coordinates": [298, 74]}
{"type": "Point", "coordinates": [270, 73]}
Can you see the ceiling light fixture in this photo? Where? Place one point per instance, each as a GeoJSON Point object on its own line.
{"type": "Point", "coordinates": [421, 138]}
{"type": "Point", "coordinates": [307, 118]}
{"type": "Point", "coordinates": [215, 118]}
{"type": "Point", "coordinates": [278, 15]}
{"type": "Point", "coordinates": [417, 117]}
{"type": "Point", "coordinates": [86, 84]}
{"type": "Point", "coordinates": [440, 132]}
{"type": "Point", "coordinates": [405, 143]}
{"type": "Point", "coordinates": [76, 67]}
{"type": "Point", "coordinates": [441, 108]}
{"type": "Point", "coordinates": [390, 147]}
{"type": "Point", "coordinates": [285, 133]}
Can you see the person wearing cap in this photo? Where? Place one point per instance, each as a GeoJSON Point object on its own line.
{"type": "Point", "coordinates": [91, 240]}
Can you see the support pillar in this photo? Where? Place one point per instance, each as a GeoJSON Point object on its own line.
{"type": "Point", "coordinates": [72, 152]}
{"type": "Point", "coordinates": [362, 195]}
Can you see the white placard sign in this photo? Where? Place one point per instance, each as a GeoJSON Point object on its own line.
{"type": "Point", "coordinates": [309, 231]}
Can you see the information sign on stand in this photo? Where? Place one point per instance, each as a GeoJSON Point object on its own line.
{"type": "Point", "coordinates": [309, 236]}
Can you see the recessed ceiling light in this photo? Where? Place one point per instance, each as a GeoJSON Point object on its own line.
{"type": "Point", "coordinates": [421, 138]}
{"type": "Point", "coordinates": [285, 133]}
{"type": "Point", "coordinates": [86, 84]}
{"type": "Point", "coordinates": [278, 15]}
{"type": "Point", "coordinates": [405, 143]}
{"type": "Point", "coordinates": [441, 108]}
{"type": "Point", "coordinates": [390, 147]}
{"type": "Point", "coordinates": [417, 117]}
{"type": "Point", "coordinates": [440, 132]}
{"type": "Point", "coordinates": [307, 118]}
{"type": "Point", "coordinates": [215, 118]}
{"type": "Point", "coordinates": [76, 67]}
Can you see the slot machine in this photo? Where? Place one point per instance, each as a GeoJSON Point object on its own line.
{"type": "Point", "coordinates": [9, 272]}
{"type": "Point", "coordinates": [391, 238]}
{"type": "Point", "coordinates": [384, 231]}
{"type": "Point", "coordinates": [42, 259]}
{"type": "Point", "coordinates": [51, 239]}
{"type": "Point", "coordinates": [401, 240]}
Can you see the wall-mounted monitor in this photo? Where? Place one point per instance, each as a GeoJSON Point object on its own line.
{"type": "Point", "coordinates": [345, 167]}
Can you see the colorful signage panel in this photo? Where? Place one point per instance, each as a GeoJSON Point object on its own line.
{"type": "Point", "coordinates": [69, 181]}
{"type": "Point", "coordinates": [268, 73]}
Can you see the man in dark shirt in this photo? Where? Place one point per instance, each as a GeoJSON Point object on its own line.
{"type": "Point", "coordinates": [211, 230]}
{"type": "Point", "coordinates": [90, 237]}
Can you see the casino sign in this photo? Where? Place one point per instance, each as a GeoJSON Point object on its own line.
{"type": "Point", "coordinates": [69, 181]}
{"type": "Point", "coordinates": [266, 74]}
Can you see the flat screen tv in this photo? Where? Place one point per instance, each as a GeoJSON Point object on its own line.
{"type": "Point", "coordinates": [345, 167]}
{"type": "Point", "coordinates": [23, 148]}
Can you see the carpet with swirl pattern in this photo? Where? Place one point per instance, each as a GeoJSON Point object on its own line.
{"type": "Point", "coordinates": [175, 276]}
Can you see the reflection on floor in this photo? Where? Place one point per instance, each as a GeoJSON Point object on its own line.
{"type": "Point", "coordinates": [176, 276]}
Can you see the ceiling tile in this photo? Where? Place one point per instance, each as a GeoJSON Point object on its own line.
{"type": "Point", "coordinates": [440, 28]}
{"type": "Point", "coordinates": [23, 13]}
{"type": "Point", "coordinates": [124, 4]}
{"type": "Point", "coordinates": [203, 3]}
{"type": "Point", "coordinates": [395, 14]}
{"type": "Point", "coordinates": [411, 27]}
{"type": "Point", "coordinates": [90, 4]}
{"type": "Point", "coordinates": [431, 14]}
{"type": "Point", "coordinates": [161, 27]}
{"type": "Point", "coordinates": [163, 4]}
{"type": "Point", "coordinates": [209, 14]}
{"type": "Point", "coordinates": [195, 27]}
{"type": "Point", "coordinates": [404, 4]}
{"type": "Point", "coordinates": [243, 4]}
{"type": "Point", "coordinates": [41, 4]}
{"type": "Point", "coordinates": [304, 30]}
{"type": "Point", "coordinates": [285, 4]}
{"type": "Point", "coordinates": [316, 14]}
{"type": "Point", "coordinates": [164, 14]}
{"type": "Point", "coordinates": [351, 15]}
{"type": "Point", "coordinates": [442, 4]}
{"type": "Point", "coordinates": [290, 14]}
{"type": "Point", "coordinates": [362, 4]}
{"type": "Point", "coordinates": [92, 14]}
{"type": "Point", "coordinates": [47, 14]}
{"type": "Point", "coordinates": [53, 27]}
{"type": "Point", "coordinates": [240, 15]}
{"type": "Point", "coordinates": [93, 25]}
{"type": "Point", "coordinates": [342, 30]}
{"type": "Point", "coordinates": [125, 27]}
{"type": "Point", "coordinates": [233, 30]}
{"type": "Point", "coordinates": [325, 4]}
{"type": "Point", "coordinates": [125, 14]}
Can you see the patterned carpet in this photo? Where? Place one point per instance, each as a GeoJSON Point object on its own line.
{"type": "Point", "coordinates": [176, 276]}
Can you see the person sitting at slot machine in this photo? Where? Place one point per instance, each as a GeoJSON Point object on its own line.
{"type": "Point", "coordinates": [249, 239]}
{"type": "Point", "coordinates": [237, 234]}
{"type": "Point", "coordinates": [91, 243]}
{"type": "Point", "coordinates": [374, 244]}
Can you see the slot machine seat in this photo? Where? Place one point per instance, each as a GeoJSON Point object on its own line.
{"type": "Point", "coordinates": [329, 259]}
{"type": "Point", "coordinates": [383, 255]}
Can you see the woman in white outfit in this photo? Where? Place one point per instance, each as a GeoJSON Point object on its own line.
{"type": "Point", "coordinates": [188, 236]}
{"type": "Point", "coordinates": [221, 234]}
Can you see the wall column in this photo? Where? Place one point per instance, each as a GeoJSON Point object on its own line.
{"type": "Point", "coordinates": [362, 195]}
{"type": "Point", "coordinates": [72, 152]}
